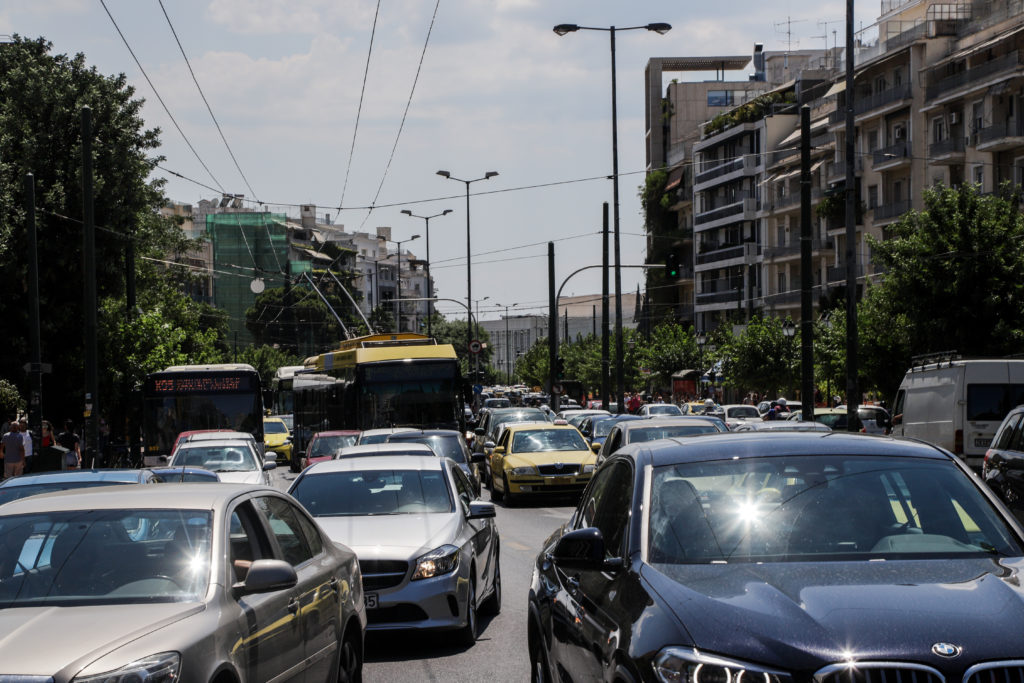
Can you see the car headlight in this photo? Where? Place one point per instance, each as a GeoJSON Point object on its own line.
{"type": "Point", "coordinates": [161, 668]}
{"type": "Point", "coordinates": [684, 665]}
{"type": "Point", "coordinates": [587, 469]}
{"type": "Point", "coordinates": [526, 471]}
{"type": "Point", "coordinates": [437, 562]}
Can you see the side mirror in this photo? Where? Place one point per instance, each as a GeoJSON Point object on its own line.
{"type": "Point", "coordinates": [478, 457]}
{"type": "Point", "coordinates": [583, 549]}
{"type": "Point", "coordinates": [480, 510]}
{"type": "Point", "coordinates": [896, 420]}
{"type": "Point", "coordinates": [479, 431]}
{"type": "Point", "coordinates": [595, 447]}
{"type": "Point", "coordinates": [489, 445]}
{"type": "Point", "coordinates": [269, 465]}
{"type": "Point", "coordinates": [499, 450]}
{"type": "Point", "coordinates": [266, 576]}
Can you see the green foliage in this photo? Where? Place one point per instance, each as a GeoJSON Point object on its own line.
{"type": "Point", "coordinates": [955, 280]}
{"type": "Point", "coordinates": [11, 402]}
{"type": "Point", "coordinates": [41, 96]}
{"type": "Point", "coordinates": [669, 350]}
{"type": "Point", "coordinates": [266, 360]}
{"type": "Point", "coordinates": [532, 367]}
{"type": "Point", "coordinates": [454, 332]}
{"type": "Point", "coordinates": [754, 110]}
{"type": "Point", "coordinates": [762, 358]}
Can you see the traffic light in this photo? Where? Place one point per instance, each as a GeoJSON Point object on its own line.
{"type": "Point", "coordinates": [560, 367]}
{"type": "Point", "coordinates": [672, 267]}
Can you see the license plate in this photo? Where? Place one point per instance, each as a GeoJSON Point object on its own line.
{"type": "Point", "coordinates": [563, 480]}
{"type": "Point", "coordinates": [982, 443]}
{"type": "Point", "coordinates": [370, 599]}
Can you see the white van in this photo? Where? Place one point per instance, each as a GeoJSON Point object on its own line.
{"type": "Point", "coordinates": [958, 404]}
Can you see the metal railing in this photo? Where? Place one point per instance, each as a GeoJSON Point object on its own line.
{"type": "Point", "coordinates": [880, 99]}
{"type": "Point", "coordinates": [838, 273]}
{"type": "Point", "coordinates": [720, 170]}
{"type": "Point", "coordinates": [1000, 131]}
{"type": "Point", "coordinates": [741, 203]}
{"type": "Point", "coordinates": [891, 210]}
{"type": "Point", "coordinates": [720, 297]}
{"type": "Point", "coordinates": [949, 146]}
{"type": "Point", "coordinates": [972, 75]}
{"type": "Point", "coordinates": [885, 155]}
{"type": "Point", "coordinates": [719, 254]}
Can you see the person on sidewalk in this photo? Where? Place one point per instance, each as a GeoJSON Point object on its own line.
{"type": "Point", "coordinates": [26, 436]}
{"type": "Point", "coordinates": [12, 450]}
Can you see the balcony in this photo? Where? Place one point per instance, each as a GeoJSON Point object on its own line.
{"type": "Point", "coordinates": [743, 165]}
{"type": "Point", "coordinates": [720, 170]}
{"type": "Point", "coordinates": [838, 273]}
{"type": "Point", "coordinates": [890, 211]}
{"type": "Point", "coordinates": [793, 199]}
{"type": "Point", "coordinates": [793, 249]}
{"type": "Point", "coordinates": [862, 105]}
{"type": "Point", "coordinates": [948, 151]}
{"type": "Point", "coordinates": [783, 298]}
{"type": "Point", "coordinates": [741, 206]}
{"type": "Point", "coordinates": [727, 296]}
{"type": "Point", "coordinates": [717, 253]}
{"type": "Point", "coordinates": [974, 76]}
{"type": "Point", "coordinates": [890, 157]}
{"type": "Point", "coordinates": [1001, 136]}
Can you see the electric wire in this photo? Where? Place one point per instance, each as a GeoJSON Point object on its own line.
{"type": "Point", "coordinates": [159, 98]}
{"type": "Point", "coordinates": [205, 101]}
{"type": "Point", "coordinates": [359, 109]}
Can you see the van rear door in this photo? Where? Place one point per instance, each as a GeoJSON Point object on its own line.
{"type": "Point", "coordinates": [988, 394]}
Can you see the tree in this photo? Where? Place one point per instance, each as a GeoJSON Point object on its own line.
{"type": "Point", "coordinates": [454, 332]}
{"type": "Point", "coordinates": [11, 402]}
{"type": "Point", "coordinates": [669, 350]}
{"type": "Point", "coordinates": [762, 357]}
{"type": "Point", "coordinates": [954, 279]}
{"type": "Point", "coordinates": [532, 366]}
{"type": "Point", "coordinates": [266, 360]}
{"type": "Point", "coordinates": [41, 96]}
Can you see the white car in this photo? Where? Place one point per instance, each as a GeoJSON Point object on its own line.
{"type": "Point", "coordinates": [660, 409]}
{"type": "Point", "coordinates": [380, 435]}
{"type": "Point", "coordinates": [403, 448]}
{"type": "Point", "coordinates": [738, 413]}
{"type": "Point", "coordinates": [234, 461]}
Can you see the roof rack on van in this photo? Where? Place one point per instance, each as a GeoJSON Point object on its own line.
{"type": "Point", "coordinates": [935, 358]}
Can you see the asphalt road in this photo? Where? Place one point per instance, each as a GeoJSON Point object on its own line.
{"type": "Point", "coordinates": [500, 653]}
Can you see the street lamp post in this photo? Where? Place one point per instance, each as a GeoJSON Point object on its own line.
{"type": "Point", "coordinates": [701, 340]}
{"type": "Point", "coordinates": [469, 258]}
{"type": "Point", "coordinates": [430, 282]}
{"type": "Point", "coordinates": [476, 360]}
{"type": "Point", "coordinates": [398, 282]}
{"type": "Point", "coordinates": [660, 28]}
{"type": "Point", "coordinates": [789, 330]}
{"type": "Point", "coordinates": [508, 365]}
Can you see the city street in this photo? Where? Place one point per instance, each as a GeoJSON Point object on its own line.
{"type": "Point", "coordinates": [500, 654]}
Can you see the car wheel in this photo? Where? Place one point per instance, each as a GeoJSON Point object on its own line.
{"type": "Point", "coordinates": [467, 634]}
{"type": "Point", "coordinates": [509, 500]}
{"type": "Point", "coordinates": [293, 465]}
{"type": "Point", "coordinates": [538, 665]}
{"type": "Point", "coordinates": [492, 605]}
{"type": "Point", "coordinates": [350, 668]}
{"type": "Point", "coordinates": [495, 493]}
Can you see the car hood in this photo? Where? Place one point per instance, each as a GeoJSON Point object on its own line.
{"type": "Point", "coordinates": [69, 635]}
{"type": "Point", "coordinates": [550, 458]}
{"type": "Point", "coordinates": [804, 615]}
{"type": "Point", "coordinates": [392, 536]}
{"type": "Point", "coordinates": [274, 440]}
{"type": "Point", "coordinates": [245, 477]}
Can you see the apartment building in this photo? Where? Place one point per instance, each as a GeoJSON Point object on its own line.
{"type": "Point", "coordinates": [937, 97]}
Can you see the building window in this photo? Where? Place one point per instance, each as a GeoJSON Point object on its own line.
{"type": "Point", "coordinates": [720, 98]}
{"type": "Point", "coordinates": [872, 196]}
{"type": "Point", "coordinates": [978, 175]}
{"type": "Point", "coordinates": [939, 129]}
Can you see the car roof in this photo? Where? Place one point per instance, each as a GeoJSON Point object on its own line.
{"type": "Point", "coordinates": [738, 405]}
{"type": "Point", "coordinates": [377, 462]}
{"type": "Point", "coordinates": [164, 472]}
{"type": "Point", "coordinates": [533, 426]}
{"type": "Point", "coordinates": [338, 432]}
{"type": "Point", "coordinates": [120, 475]}
{"type": "Point", "coordinates": [671, 420]}
{"type": "Point", "coordinates": [271, 418]}
{"type": "Point", "coordinates": [184, 496]}
{"type": "Point", "coordinates": [387, 430]}
{"type": "Point", "coordinates": [416, 433]}
{"type": "Point", "coordinates": [389, 447]}
{"type": "Point", "coordinates": [733, 445]}
{"type": "Point", "coordinates": [784, 426]}
{"type": "Point", "coordinates": [221, 434]}
{"type": "Point", "coordinates": [214, 443]}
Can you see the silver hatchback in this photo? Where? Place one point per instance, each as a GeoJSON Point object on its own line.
{"type": "Point", "coordinates": [192, 582]}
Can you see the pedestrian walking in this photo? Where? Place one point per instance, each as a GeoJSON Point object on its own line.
{"type": "Point", "coordinates": [12, 450]}
{"type": "Point", "coordinates": [69, 440]}
{"type": "Point", "coordinates": [26, 436]}
{"type": "Point", "coordinates": [49, 438]}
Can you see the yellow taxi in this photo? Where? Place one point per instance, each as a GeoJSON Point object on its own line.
{"type": "Point", "coordinates": [539, 457]}
{"type": "Point", "coordinates": [278, 439]}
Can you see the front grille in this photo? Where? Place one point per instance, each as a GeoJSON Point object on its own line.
{"type": "Point", "coordinates": [878, 672]}
{"type": "Point", "coordinates": [565, 470]}
{"type": "Point", "coordinates": [996, 672]}
{"type": "Point", "coordinates": [403, 613]}
{"type": "Point", "coordinates": [380, 574]}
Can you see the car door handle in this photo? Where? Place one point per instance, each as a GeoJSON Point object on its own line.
{"type": "Point", "coordinates": [293, 606]}
{"type": "Point", "coordinates": [333, 584]}
{"type": "Point", "coordinates": [572, 583]}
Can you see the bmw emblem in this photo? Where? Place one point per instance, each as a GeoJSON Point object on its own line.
{"type": "Point", "coordinates": [947, 649]}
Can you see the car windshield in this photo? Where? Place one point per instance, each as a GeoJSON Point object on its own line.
{"type": "Point", "coordinates": [512, 418]}
{"type": "Point", "coordinates": [444, 446]}
{"type": "Point", "coordinates": [538, 440]}
{"type": "Point", "coordinates": [330, 445]}
{"type": "Point", "coordinates": [603, 427]}
{"type": "Point", "coordinates": [274, 427]}
{"type": "Point", "coordinates": [820, 507]}
{"type": "Point", "coordinates": [663, 409]}
{"type": "Point", "coordinates": [90, 557]}
{"type": "Point", "coordinates": [744, 412]}
{"type": "Point", "coordinates": [217, 458]}
{"type": "Point", "coordinates": [834, 421]}
{"type": "Point", "coordinates": [667, 432]}
{"type": "Point", "coordinates": [373, 492]}
{"type": "Point", "coordinates": [497, 403]}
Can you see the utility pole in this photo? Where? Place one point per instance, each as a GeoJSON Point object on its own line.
{"type": "Point", "coordinates": [852, 391]}
{"type": "Point", "coordinates": [806, 281]}
{"type": "Point", "coordinates": [605, 363]}
{"type": "Point", "coordinates": [552, 331]}
{"type": "Point", "coordinates": [35, 404]}
{"type": "Point", "coordinates": [92, 398]}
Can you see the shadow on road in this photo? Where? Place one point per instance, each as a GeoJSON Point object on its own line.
{"type": "Point", "coordinates": [398, 646]}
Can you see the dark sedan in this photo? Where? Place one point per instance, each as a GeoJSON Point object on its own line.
{"type": "Point", "coordinates": [782, 558]}
{"type": "Point", "coordinates": [26, 485]}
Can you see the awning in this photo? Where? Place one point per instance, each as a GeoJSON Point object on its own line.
{"type": "Point", "coordinates": [795, 135]}
{"type": "Point", "coordinates": [816, 165]}
{"type": "Point", "coordinates": [675, 177]}
{"type": "Point", "coordinates": [786, 176]}
{"type": "Point", "coordinates": [836, 88]}
{"type": "Point", "coordinates": [959, 54]}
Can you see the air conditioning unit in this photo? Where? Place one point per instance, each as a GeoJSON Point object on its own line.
{"type": "Point", "coordinates": [954, 118]}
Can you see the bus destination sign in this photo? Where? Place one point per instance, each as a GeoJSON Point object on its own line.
{"type": "Point", "coordinates": [204, 384]}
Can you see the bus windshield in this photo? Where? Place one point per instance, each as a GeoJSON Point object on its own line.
{"type": "Point", "coordinates": [418, 393]}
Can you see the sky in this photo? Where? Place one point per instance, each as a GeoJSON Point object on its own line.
{"type": "Point", "coordinates": [495, 90]}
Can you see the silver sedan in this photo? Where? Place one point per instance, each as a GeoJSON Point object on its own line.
{"type": "Point", "coordinates": [192, 582]}
{"type": "Point", "coordinates": [427, 547]}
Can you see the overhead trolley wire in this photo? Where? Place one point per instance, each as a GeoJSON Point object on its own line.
{"type": "Point", "coordinates": [160, 99]}
{"type": "Point", "coordinates": [359, 109]}
{"type": "Point", "coordinates": [205, 101]}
